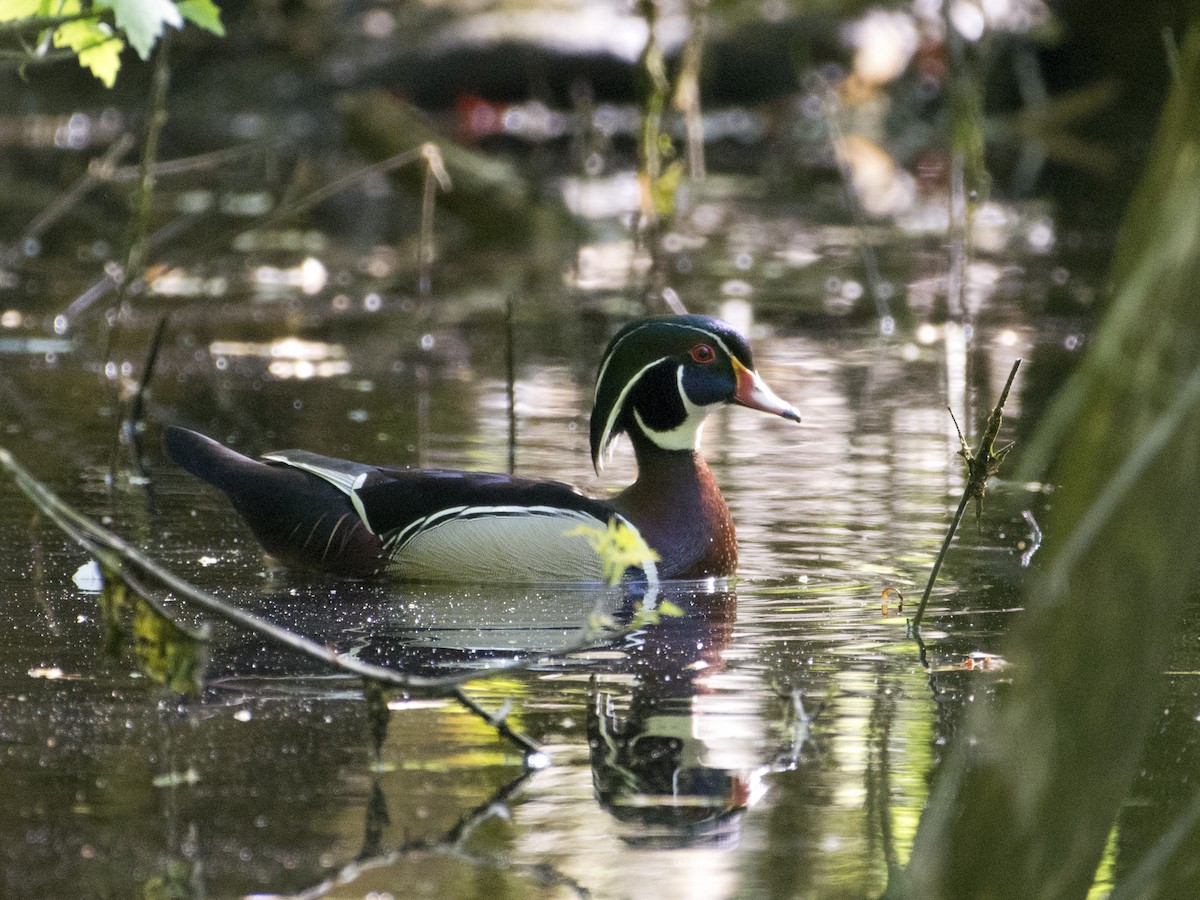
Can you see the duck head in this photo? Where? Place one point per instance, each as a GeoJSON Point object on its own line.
{"type": "Point", "coordinates": [660, 377]}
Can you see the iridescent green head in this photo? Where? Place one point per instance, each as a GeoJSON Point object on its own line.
{"type": "Point", "coordinates": [660, 377]}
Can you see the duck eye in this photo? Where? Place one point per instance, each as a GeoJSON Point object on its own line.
{"type": "Point", "coordinates": [703, 354]}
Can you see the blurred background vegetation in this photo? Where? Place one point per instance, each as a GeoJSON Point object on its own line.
{"type": "Point", "coordinates": [935, 136]}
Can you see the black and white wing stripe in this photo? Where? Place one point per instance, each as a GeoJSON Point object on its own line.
{"type": "Point", "coordinates": [470, 527]}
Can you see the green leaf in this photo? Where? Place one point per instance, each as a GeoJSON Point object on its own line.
{"type": "Point", "coordinates": [168, 654]}
{"type": "Point", "coordinates": [203, 13]}
{"type": "Point", "coordinates": [665, 188]}
{"type": "Point", "coordinates": [12, 10]}
{"type": "Point", "coordinates": [143, 21]}
{"type": "Point", "coordinates": [667, 608]}
{"type": "Point", "coordinates": [94, 43]}
{"type": "Point", "coordinates": [619, 546]}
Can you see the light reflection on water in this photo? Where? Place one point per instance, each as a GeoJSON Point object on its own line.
{"type": "Point", "coordinates": [778, 739]}
{"type": "Point", "coordinates": [784, 726]}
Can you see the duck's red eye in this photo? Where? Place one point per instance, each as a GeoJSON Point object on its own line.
{"type": "Point", "coordinates": [703, 354]}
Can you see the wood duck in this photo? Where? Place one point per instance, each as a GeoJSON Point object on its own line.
{"type": "Point", "coordinates": [658, 380]}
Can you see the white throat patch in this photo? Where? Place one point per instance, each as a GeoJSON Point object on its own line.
{"type": "Point", "coordinates": [685, 435]}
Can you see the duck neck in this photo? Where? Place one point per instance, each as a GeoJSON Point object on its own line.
{"type": "Point", "coordinates": [673, 469]}
{"type": "Point", "coordinates": [676, 504]}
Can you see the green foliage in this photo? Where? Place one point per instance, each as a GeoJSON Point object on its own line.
{"type": "Point", "coordinates": [648, 615]}
{"type": "Point", "coordinates": [98, 32]}
{"type": "Point", "coordinates": [619, 546]}
{"type": "Point", "coordinates": [1025, 803]}
{"type": "Point", "coordinates": [166, 651]}
{"type": "Point", "coordinates": [94, 44]}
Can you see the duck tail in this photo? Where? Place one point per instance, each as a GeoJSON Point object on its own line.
{"type": "Point", "coordinates": [205, 458]}
{"type": "Point", "coordinates": [297, 517]}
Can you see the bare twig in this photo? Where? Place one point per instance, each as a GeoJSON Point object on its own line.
{"type": "Point", "coordinates": [436, 177]}
{"type": "Point", "coordinates": [184, 165]}
{"type": "Point", "coordinates": [41, 23]}
{"type": "Point", "coordinates": [137, 251]}
{"type": "Point", "coordinates": [981, 465]}
{"type": "Point", "coordinates": [114, 275]}
{"type": "Point", "coordinates": [132, 424]}
{"type": "Point", "coordinates": [98, 170]}
{"type": "Point", "coordinates": [137, 569]}
{"type": "Point", "coordinates": [299, 205]}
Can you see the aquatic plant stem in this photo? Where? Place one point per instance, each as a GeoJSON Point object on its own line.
{"type": "Point", "coordinates": [132, 425]}
{"type": "Point", "coordinates": [435, 176]}
{"type": "Point", "coordinates": [831, 106]}
{"type": "Point", "coordinates": [687, 88]}
{"type": "Point", "coordinates": [135, 257]}
{"type": "Point", "coordinates": [937, 563]}
{"type": "Point", "coordinates": [981, 465]}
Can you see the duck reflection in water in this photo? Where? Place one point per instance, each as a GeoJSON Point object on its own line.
{"type": "Point", "coordinates": [657, 768]}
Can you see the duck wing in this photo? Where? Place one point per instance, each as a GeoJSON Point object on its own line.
{"type": "Point", "coordinates": [446, 525]}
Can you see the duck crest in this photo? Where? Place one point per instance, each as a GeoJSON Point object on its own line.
{"type": "Point", "coordinates": [652, 380]}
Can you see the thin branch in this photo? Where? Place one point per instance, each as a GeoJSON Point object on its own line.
{"type": "Point", "coordinates": [981, 465]}
{"type": "Point", "coordinates": [98, 170]}
{"type": "Point", "coordinates": [40, 23]}
{"type": "Point", "coordinates": [136, 568]}
{"type": "Point", "coordinates": [322, 193]}
{"type": "Point", "coordinates": [187, 164]}
{"type": "Point", "coordinates": [132, 425]}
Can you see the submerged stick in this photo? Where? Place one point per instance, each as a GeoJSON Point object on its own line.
{"type": "Point", "coordinates": [132, 425]}
{"type": "Point", "coordinates": [981, 465]}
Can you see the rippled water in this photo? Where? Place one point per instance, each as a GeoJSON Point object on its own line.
{"type": "Point", "coordinates": [775, 740]}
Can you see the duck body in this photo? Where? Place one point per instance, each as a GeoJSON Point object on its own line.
{"type": "Point", "coordinates": [358, 520]}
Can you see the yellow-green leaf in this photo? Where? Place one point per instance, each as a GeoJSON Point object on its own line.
{"type": "Point", "coordinates": [95, 45]}
{"type": "Point", "coordinates": [12, 10]}
{"type": "Point", "coordinates": [202, 13]}
{"type": "Point", "coordinates": [167, 653]}
{"type": "Point", "coordinates": [664, 189]}
{"type": "Point", "coordinates": [667, 608]}
{"type": "Point", "coordinates": [620, 547]}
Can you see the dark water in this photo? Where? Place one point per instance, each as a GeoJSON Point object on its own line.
{"type": "Point", "coordinates": [776, 740]}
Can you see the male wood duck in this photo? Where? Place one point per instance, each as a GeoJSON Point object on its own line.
{"type": "Point", "coordinates": [658, 380]}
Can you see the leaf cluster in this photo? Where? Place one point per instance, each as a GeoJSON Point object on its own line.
{"type": "Point", "coordinates": [95, 32]}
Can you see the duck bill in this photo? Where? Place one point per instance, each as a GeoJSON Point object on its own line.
{"type": "Point", "coordinates": [753, 392]}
